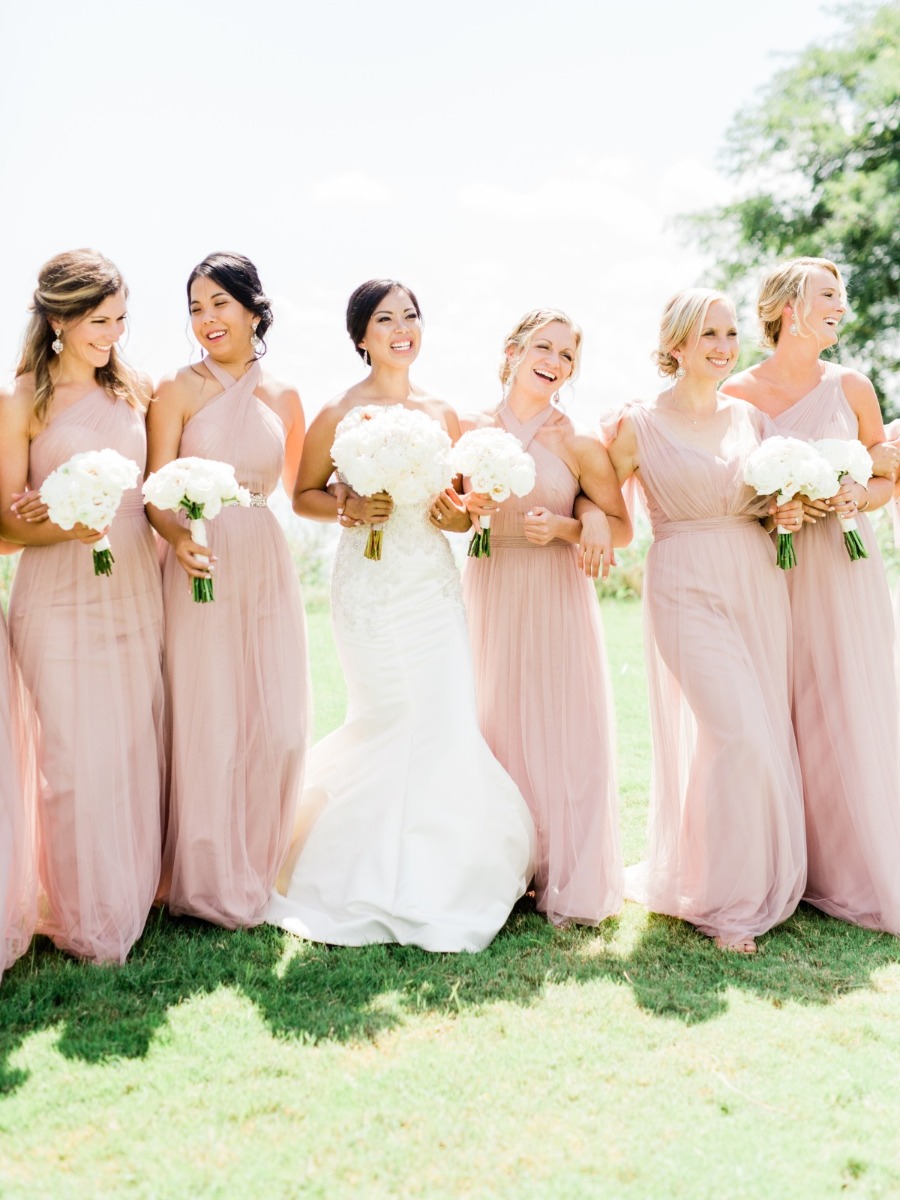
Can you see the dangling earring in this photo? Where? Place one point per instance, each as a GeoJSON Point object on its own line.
{"type": "Point", "coordinates": [366, 357]}
{"type": "Point", "coordinates": [56, 345]}
{"type": "Point", "coordinates": [794, 331]}
{"type": "Point", "coordinates": [255, 342]}
{"type": "Point", "coordinates": [680, 372]}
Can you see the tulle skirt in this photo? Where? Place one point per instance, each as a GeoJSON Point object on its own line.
{"type": "Point", "coordinates": [89, 649]}
{"type": "Point", "coordinates": [545, 709]}
{"type": "Point", "coordinates": [726, 839]}
{"type": "Point", "coordinates": [846, 719]}
{"type": "Point", "coordinates": [238, 719]}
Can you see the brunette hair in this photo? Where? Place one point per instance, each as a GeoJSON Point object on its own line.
{"type": "Point", "coordinates": [237, 275]}
{"type": "Point", "coordinates": [365, 300]}
{"type": "Point", "coordinates": [70, 286]}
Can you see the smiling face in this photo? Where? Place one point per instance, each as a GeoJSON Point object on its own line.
{"type": "Point", "coordinates": [823, 309]}
{"type": "Point", "coordinates": [90, 339]}
{"type": "Point", "coordinates": [547, 360]}
{"type": "Point", "coordinates": [394, 332]}
{"type": "Point", "coordinates": [221, 324]}
{"type": "Point", "coordinates": [711, 349]}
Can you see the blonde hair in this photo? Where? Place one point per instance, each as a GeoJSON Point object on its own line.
{"type": "Point", "coordinates": [684, 311]}
{"type": "Point", "coordinates": [70, 286]}
{"type": "Point", "coordinates": [520, 338]}
{"type": "Point", "coordinates": [788, 284]}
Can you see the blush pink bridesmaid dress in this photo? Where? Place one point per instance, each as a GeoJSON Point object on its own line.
{"type": "Point", "coordinates": [89, 649]}
{"type": "Point", "coordinates": [726, 842]}
{"type": "Point", "coordinates": [18, 883]}
{"type": "Point", "coordinates": [845, 698]}
{"type": "Point", "coordinates": [544, 703]}
{"type": "Point", "coordinates": [237, 685]}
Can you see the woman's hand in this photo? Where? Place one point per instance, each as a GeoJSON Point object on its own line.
{"type": "Point", "coordinates": [82, 533]}
{"type": "Point", "coordinates": [790, 516]}
{"type": "Point", "coordinates": [194, 558]}
{"type": "Point", "coordinates": [847, 501]}
{"type": "Point", "coordinates": [541, 526]}
{"type": "Point", "coordinates": [367, 510]}
{"type": "Point", "coordinates": [448, 512]}
{"type": "Point", "coordinates": [342, 493]}
{"type": "Point", "coordinates": [29, 507]}
{"type": "Point", "coordinates": [595, 550]}
{"type": "Point", "coordinates": [479, 505]}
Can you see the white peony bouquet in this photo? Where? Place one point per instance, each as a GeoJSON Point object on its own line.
{"type": "Point", "coordinates": [202, 487]}
{"type": "Point", "coordinates": [391, 449]}
{"type": "Point", "coordinates": [87, 490]}
{"type": "Point", "coordinates": [848, 457]}
{"type": "Point", "coordinates": [495, 463]}
{"type": "Point", "coordinates": [789, 467]}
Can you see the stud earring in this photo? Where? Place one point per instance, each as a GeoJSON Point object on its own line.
{"type": "Point", "coordinates": [56, 345]}
{"type": "Point", "coordinates": [255, 342]}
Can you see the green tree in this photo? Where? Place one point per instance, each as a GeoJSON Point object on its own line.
{"type": "Point", "coordinates": [817, 164]}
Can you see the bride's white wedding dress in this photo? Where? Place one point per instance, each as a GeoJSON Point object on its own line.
{"type": "Point", "coordinates": [409, 830]}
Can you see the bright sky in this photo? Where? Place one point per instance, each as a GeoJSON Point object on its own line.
{"type": "Point", "coordinates": [495, 154]}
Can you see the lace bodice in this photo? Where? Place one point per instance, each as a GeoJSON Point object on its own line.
{"type": "Point", "coordinates": [412, 551]}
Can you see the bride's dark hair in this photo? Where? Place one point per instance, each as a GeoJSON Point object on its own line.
{"type": "Point", "coordinates": [365, 300]}
{"type": "Point", "coordinates": [239, 278]}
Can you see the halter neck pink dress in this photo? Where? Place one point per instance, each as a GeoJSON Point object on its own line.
{"type": "Point", "coordinates": [236, 672]}
{"type": "Point", "coordinates": [542, 683]}
{"type": "Point", "coordinates": [845, 698]}
{"type": "Point", "coordinates": [726, 845]}
{"type": "Point", "coordinates": [89, 648]}
{"type": "Point", "coordinates": [18, 882]}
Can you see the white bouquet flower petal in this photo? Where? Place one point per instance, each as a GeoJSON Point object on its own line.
{"type": "Point", "coordinates": [87, 490]}
{"type": "Point", "coordinates": [202, 487]}
{"type": "Point", "coordinates": [393, 449]}
{"type": "Point", "coordinates": [789, 467]}
{"type": "Point", "coordinates": [496, 465]}
{"type": "Point", "coordinates": [848, 457]}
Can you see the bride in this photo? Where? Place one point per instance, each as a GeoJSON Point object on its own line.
{"type": "Point", "coordinates": [409, 830]}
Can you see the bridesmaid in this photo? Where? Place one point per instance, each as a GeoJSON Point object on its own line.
{"type": "Point", "coordinates": [726, 845]}
{"type": "Point", "coordinates": [236, 669]}
{"type": "Point", "coordinates": [845, 699]}
{"type": "Point", "coordinates": [89, 648]}
{"type": "Point", "coordinates": [18, 892]}
{"type": "Point", "coordinates": [535, 629]}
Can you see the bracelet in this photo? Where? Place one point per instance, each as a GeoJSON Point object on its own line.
{"type": "Point", "coordinates": [863, 507]}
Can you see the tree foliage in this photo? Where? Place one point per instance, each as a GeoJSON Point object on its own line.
{"type": "Point", "coordinates": [817, 163]}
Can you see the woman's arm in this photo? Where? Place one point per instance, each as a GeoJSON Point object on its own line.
{"type": "Point", "coordinates": [15, 446]}
{"type": "Point", "coordinates": [311, 498]}
{"type": "Point", "coordinates": [166, 417]}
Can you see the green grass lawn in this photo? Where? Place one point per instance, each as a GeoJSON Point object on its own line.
{"type": "Point", "coordinates": [630, 1061]}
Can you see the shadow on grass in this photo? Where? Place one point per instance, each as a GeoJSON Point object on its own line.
{"type": "Point", "coordinates": [315, 993]}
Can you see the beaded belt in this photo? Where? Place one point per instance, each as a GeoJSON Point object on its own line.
{"type": "Point", "coordinates": [259, 500]}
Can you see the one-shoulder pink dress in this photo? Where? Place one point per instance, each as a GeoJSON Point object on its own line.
{"type": "Point", "coordinates": [726, 843]}
{"type": "Point", "coordinates": [18, 881]}
{"type": "Point", "coordinates": [845, 698]}
{"type": "Point", "coordinates": [89, 648]}
{"type": "Point", "coordinates": [236, 672]}
{"type": "Point", "coordinates": [544, 702]}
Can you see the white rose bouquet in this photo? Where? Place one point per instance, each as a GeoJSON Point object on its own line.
{"type": "Point", "coordinates": [87, 490]}
{"type": "Point", "coordinates": [848, 457]}
{"type": "Point", "coordinates": [391, 449]}
{"type": "Point", "coordinates": [789, 467]}
{"type": "Point", "coordinates": [202, 487]}
{"type": "Point", "coordinates": [495, 463]}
